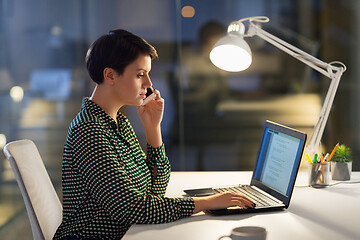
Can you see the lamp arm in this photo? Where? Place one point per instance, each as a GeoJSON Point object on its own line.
{"type": "Point", "coordinates": [327, 69]}
{"type": "Point", "coordinates": [293, 51]}
{"type": "Point", "coordinates": [319, 128]}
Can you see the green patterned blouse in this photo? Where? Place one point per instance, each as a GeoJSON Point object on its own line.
{"type": "Point", "coordinates": [108, 181]}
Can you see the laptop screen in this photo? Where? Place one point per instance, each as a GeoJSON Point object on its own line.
{"type": "Point", "coordinates": [279, 157]}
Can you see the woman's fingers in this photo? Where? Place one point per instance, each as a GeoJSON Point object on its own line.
{"type": "Point", "coordinates": [241, 200]}
{"type": "Point", "coordinates": [157, 92]}
{"type": "Point", "coordinates": [222, 200]}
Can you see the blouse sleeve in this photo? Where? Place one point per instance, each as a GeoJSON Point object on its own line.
{"type": "Point", "coordinates": [160, 168]}
{"type": "Point", "coordinates": [106, 178]}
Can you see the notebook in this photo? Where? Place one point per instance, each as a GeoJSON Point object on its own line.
{"type": "Point", "coordinates": [275, 172]}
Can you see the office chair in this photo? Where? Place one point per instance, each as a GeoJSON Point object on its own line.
{"type": "Point", "coordinates": [42, 203]}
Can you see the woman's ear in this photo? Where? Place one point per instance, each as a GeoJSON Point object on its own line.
{"type": "Point", "coordinates": [109, 76]}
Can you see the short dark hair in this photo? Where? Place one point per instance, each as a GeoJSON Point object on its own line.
{"type": "Point", "coordinates": [115, 50]}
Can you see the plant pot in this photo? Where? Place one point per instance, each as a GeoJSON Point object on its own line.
{"type": "Point", "coordinates": [341, 171]}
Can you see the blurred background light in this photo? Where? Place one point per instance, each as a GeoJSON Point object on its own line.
{"type": "Point", "coordinates": [17, 93]}
{"type": "Point", "coordinates": [188, 11]}
{"type": "Point", "coordinates": [2, 140]}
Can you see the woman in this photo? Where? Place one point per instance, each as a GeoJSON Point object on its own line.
{"type": "Point", "coordinates": [108, 181]}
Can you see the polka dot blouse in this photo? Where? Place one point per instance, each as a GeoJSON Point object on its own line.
{"type": "Point", "coordinates": [108, 181]}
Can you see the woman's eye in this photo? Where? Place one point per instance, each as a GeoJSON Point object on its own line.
{"type": "Point", "coordinates": [140, 75]}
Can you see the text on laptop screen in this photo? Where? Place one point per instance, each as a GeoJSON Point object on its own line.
{"type": "Point", "coordinates": [276, 164]}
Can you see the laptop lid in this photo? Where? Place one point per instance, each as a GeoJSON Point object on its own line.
{"type": "Point", "coordinates": [278, 160]}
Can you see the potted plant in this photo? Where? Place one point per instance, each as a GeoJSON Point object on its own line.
{"type": "Point", "coordinates": [341, 163]}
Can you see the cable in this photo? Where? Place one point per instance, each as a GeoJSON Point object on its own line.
{"type": "Point", "coordinates": [330, 185]}
{"type": "Point", "coordinates": [340, 63]}
{"type": "Point", "coordinates": [262, 19]}
{"type": "Point", "coordinates": [344, 183]}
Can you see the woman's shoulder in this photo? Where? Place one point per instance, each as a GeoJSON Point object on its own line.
{"type": "Point", "coordinates": [89, 122]}
{"type": "Point", "coordinates": [85, 122]}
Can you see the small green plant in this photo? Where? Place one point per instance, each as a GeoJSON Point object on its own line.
{"type": "Point", "coordinates": [342, 154]}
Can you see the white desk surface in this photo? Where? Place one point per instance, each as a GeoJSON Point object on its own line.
{"type": "Point", "coordinates": [327, 213]}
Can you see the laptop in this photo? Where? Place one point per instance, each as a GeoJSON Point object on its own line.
{"type": "Point", "coordinates": [275, 172]}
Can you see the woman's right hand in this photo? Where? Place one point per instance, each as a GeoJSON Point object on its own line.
{"type": "Point", "coordinates": [222, 200]}
{"type": "Point", "coordinates": [151, 116]}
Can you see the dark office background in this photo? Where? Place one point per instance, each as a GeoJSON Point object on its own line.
{"type": "Point", "coordinates": [213, 120]}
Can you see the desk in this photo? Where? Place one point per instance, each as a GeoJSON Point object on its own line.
{"type": "Point", "coordinates": [328, 213]}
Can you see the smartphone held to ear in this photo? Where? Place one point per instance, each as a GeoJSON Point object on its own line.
{"type": "Point", "coordinates": [150, 95]}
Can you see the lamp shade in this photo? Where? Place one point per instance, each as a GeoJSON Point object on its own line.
{"type": "Point", "coordinates": [231, 53]}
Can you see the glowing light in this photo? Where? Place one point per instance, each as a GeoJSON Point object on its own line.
{"type": "Point", "coordinates": [56, 30]}
{"type": "Point", "coordinates": [17, 93]}
{"type": "Point", "coordinates": [2, 140]}
{"type": "Point", "coordinates": [188, 11]}
{"type": "Point", "coordinates": [231, 54]}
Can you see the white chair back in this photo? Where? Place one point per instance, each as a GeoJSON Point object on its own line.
{"type": "Point", "coordinates": [41, 200]}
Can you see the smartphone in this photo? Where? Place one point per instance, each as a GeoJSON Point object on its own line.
{"type": "Point", "coordinates": [150, 95]}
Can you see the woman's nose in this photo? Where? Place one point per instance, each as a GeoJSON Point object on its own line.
{"type": "Point", "coordinates": [147, 82]}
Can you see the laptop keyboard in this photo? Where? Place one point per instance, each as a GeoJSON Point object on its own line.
{"type": "Point", "coordinates": [259, 199]}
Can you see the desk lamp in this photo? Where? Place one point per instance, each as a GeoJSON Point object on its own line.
{"type": "Point", "coordinates": [231, 53]}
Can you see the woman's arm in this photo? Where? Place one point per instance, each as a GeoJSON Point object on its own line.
{"type": "Point", "coordinates": [107, 179]}
{"type": "Point", "coordinates": [159, 166]}
{"type": "Point", "coordinates": [151, 116]}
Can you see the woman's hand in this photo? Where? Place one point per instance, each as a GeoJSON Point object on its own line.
{"type": "Point", "coordinates": [222, 200]}
{"type": "Point", "coordinates": [151, 116]}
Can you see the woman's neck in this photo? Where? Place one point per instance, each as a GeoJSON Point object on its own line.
{"type": "Point", "coordinates": [102, 97]}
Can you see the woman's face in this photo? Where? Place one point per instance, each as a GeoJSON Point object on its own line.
{"type": "Point", "coordinates": [130, 87]}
